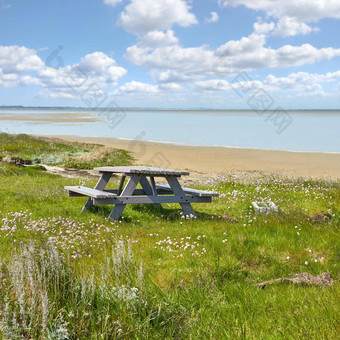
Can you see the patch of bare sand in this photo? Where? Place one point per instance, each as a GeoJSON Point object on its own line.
{"type": "Point", "coordinates": [204, 162]}
{"type": "Point", "coordinates": [46, 120]}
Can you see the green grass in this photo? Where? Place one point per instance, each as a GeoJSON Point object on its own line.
{"type": "Point", "coordinates": [26, 149]}
{"type": "Point", "coordinates": [157, 275]}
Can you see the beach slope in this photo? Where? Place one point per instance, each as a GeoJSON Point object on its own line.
{"type": "Point", "coordinates": [208, 161]}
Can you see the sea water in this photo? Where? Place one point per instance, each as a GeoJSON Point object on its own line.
{"type": "Point", "coordinates": [314, 130]}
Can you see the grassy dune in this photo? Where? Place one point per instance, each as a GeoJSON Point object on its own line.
{"type": "Point", "coordinates": [26, 149]}
{"type": "Point", "coordinates": [156, 274]}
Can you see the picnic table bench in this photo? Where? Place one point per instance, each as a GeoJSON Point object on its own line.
{"type": "Point", "coordinates": [150, 193]}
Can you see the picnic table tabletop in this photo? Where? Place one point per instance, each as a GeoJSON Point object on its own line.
{"type": "Point", "coordinates": [141, 170]}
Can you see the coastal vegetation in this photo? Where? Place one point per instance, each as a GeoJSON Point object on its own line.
{"type": "Point", "coordinates": [157, 273]}
{"type": "Point", "coordinates": [27, 149]}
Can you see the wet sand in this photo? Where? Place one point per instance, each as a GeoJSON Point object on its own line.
{"type": "Point", "coordinates": [209, 161]}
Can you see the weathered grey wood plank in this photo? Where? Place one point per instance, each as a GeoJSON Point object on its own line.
{"type": "Point", "coordinates": [127, 191]}
{"type": "Point", "coordinates": [153, 186]}
{"type": "Point", "coordinates": [123, 200]}
{"type": "Point", "coordinates": [201, 193]}
{"type": "Point", "coordinates": [85, 191]}
{"type": "Point", "coordinates": [143, 170]}
{"type": "Point", "coordinates": [147, 188]}
{"type": "Point", "coordinates": [101, 184]}
{"type": "Point", "coordinates": [121, 184]}
{"type": "Point", "coordinates": [178, 191]}
{"type": "Point", "coordinates": [137, 192]}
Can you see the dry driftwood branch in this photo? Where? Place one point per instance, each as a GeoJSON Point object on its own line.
{"type": "Point", "coordinates": [323, 280]}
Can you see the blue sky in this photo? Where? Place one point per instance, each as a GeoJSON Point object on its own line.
{"type": "Point", "coordinates": [171, 53]}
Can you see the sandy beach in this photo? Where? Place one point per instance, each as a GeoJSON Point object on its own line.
{"type": "Point", "coordinates": [211, 161]}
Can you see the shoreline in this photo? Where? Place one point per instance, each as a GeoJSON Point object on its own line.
{"type": "Point", "coordinates": [207, 161]}
{"type": "Point", "coordinates": [147, 141]}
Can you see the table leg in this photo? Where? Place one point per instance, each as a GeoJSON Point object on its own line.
{"type": "Point", "coordinates": [127, 191]}
{"type": "Point", "coordinates": [105, 177]}
{"type": "Point", "coordinates": [153, 185]}
{"type": "Point", "coordinates": [121, 184]}
{"type": "Point", "coordinates": [149, 190]}
{"type": "Point", "coordinates": [178, 191]}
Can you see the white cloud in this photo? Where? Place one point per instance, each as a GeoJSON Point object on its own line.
{"type": "Point", "coordinates": [289, 27]}
{"type": "Point", "coordinates": [137, 87]}
{"type": "Point", "coordinates": [94, 73]}
{"type": "Point", "coordinates": [159, 38]}
{"type": "Point", "coordinates": [292, 15]}
{"type": "Point", "coordinates": [149, 15]}
{"type": "Point", "coordinates": [214, 17]}
{"type": "Point", "coordinates": [15, 59]}
{"type": "Point", "coordinates": [250, 53]}
{"type": "Point", "coordinates": [28, 80]}
{"type": "Point", "coordinates": [169, 92]}
{"type": "Point", "coordinates": [15, 62]}
{"type": "Point", "coordinates": [298, 84]}
{"type": "Point", "coordinates": [263, 28]}
{"type": "Point", "coordinates": [173, 76]}
{"type": "Point", "coordinates": [176, 64]}
{"type": "Point", "coordinates": [112, 2]}
{"type": "Point", "coordinates": [300, 81]}
{"type": "Point", "coordinates": [102, 66]}
{"type": "Point", "coordinates": [57, 94]}
{"type": "Point", "coordinates": [171, 86]}
{"type": "Point", "coordinates": [301, 10]}
{"type": "Point", "coordinates": [212, 85]}
{"type": "Point", "coordinates": [8, 80]}
{"type": "Point", "coordinates": [21, 66]}
{"type": "Point", "coordinates": [137, 90]}
{"type": "Point", "coordinates": [193, 62]}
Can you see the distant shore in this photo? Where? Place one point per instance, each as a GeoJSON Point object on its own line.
{"type": "Point", "coordinates": [203, 161]}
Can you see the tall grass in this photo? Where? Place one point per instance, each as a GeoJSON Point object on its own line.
{"type": "Point", "coordinates": [44, 297]}
{"type": "Point", "coordinates": [156, 274]}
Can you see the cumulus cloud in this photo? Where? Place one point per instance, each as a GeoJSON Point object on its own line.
{"type": "Point", "coordinates": [171, 86]}
{"type": "Point", "coordinates": [112, 2]}
{"type": "Point", "coordinates": [16, 59]}
{"type": "Point", "coordinates": [296, 84]}
{"type": "Point", "coordinates": [150, 93]}
{"type": "Point", "coordinates": [300, 81]}
{"type": "Point", "coordinates": [289, 27]}
{"type": "Point", "coordinates": [263, 28]}
{"type": "Point", "coordinates": [21, 66]}
{"type": "Point", "coordinates": [15, 62]}
{"type": "Point", "coordinates": [94, 73]}
{"type": "Point", "coordinates": [250, 53]}
{"type": "Point", "coordinates": [292, 15]}
{"type": "Point", "coordinates": [149, 15]}
{"type": "Point", "coordinates": [137, 87]}
{"type": "Point", "coordinates": [176, 64]}
{"type": "Point", "coordinates": [214, 17]}
{"type": "Point", "coordinates": [193, 62]}
{"type": "Point", "coordinates": [212, 85]}
{"type": "Point", "coordinates": [302, 10]}
{"type": "Point", "coordinates": [98, 64]}
{"type": "Point", "coordinates": [159, 38]}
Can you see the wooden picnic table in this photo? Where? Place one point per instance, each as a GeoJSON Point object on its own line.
{"type": "Point", "coordinates": [150, 193]}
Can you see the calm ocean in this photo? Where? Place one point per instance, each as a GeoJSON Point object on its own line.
{"type": "Point", "coordinates": [292, 130]}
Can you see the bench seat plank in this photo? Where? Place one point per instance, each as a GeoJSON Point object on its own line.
{"type": "Point", "coordinates": [190, 191]}
{"type": "Point", "coordinates": [94, 193]}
